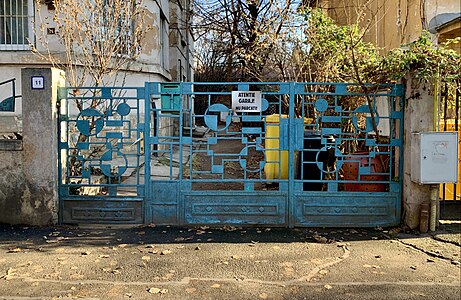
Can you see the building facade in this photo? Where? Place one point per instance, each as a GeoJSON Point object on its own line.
{"type": "Point", "coordinates": [391, 23]}
{"type": "Point", "coordinates": [27, 26]}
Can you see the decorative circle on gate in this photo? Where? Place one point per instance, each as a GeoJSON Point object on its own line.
{"type": "Point", "coordinates": [364, 110]}
{"type": "Point", "coordinates": [123, 109]}
{"type": "Point", "coordinates": [213, 114]}
{"type": "Point", "coordinates": [321, 105]}
{"type": "Point", "coordinates": [324, 159]}
{"type": "Point", "coordinates": [252, 166]}
{"type": "Point", "coordinates": [90, 122]}
{"type": "Point", "coordinates": [264, 104]}
{"type": "Point", "coordinates": [113, 163]}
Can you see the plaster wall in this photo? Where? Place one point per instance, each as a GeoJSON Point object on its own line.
{"type": "Point", "coordinates": [43, 41]}
{"type": "Point", "coordinates": [29, 176]}
{"type": "Point", "coordinates": [390, 22]}
{"type": "Point", "coordinates": [13, 187]}
{"type": "Point", "coordinates": [133, 78]}
{"type": "Point", "coordinates": [419, 102]}
{"type": "Point", "coordinates": [436, 7]}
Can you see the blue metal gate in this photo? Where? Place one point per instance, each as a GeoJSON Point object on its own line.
{"type": "Point", "coordinates": [306, 154]}
{"type": "Point", "coordinates": [101, 155]}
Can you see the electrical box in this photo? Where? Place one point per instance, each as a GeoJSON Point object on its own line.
{"type": "Point", "coordinates": [434, 157]}
{"type": "Point", "coordinates": [170, 96]}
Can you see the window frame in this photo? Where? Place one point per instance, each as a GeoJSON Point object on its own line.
{"type": "Point", "coordinates": [30, 32]}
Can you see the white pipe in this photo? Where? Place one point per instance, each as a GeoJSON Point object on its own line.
{"type": "Point", "coordinates": [433, 211]}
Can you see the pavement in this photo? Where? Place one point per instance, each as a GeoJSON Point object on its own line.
{"type": "Point", "coordinates": [107, 262]}
{"type": "Point", "coordinates": [121, 262]}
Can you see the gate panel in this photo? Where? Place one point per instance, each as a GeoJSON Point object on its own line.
{"type": "Point", "coordinates": [345, 209]}
{"type": "Point", "coordinates": [229, 207]}
{"type": "Point", "coordinates": [216, 158]}
{"type": "Point", "coordinates": [347, 174]}
{"type": "Point", "coordinates": [163, 204]}
{"type": "Point", "coordinates": [309, 157]}
{"type": "Point", "coordinates": [101, 157]}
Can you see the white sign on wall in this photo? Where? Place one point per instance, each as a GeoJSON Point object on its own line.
{"type": "Point", "coordinates": [246, 101]}
{"type": "Point", "coordinates": [38, 82]}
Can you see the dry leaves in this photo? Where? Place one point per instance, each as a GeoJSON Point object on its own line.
{"type": "Point", "coordinates": [371, 266]}
{"type": "Point", "coordinates": [157, 291]}
{"type": "Point", "coordinates": [9, 274]}
{"type": "Point", "coordinates": [14, 250]}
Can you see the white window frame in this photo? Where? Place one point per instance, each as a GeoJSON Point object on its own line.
{"type": "Point", "coordinates": [30, 35]}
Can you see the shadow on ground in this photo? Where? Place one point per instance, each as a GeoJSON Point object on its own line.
{"type": "Point", "coordinates": [41, 238]}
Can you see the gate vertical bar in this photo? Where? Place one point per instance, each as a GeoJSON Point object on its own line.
{"type": "Point", "coordinates": [180, 210]}
{"type": "Point", "coordinates": [400, 91]}
{"type": "Point", "coordinates": [291, 163]}
{"type": "Point", "coordinates": [147, 153]}
{"type": "Point", "coordinates": [62, 114]}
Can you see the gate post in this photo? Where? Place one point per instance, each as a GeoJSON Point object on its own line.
{"type": "Point", "coordinates": [418, 117]}
{"type": "Point", "coordinates": [39, 201]}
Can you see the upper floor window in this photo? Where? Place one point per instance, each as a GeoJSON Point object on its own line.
{"type": "Point", "coordinates": [115, 26]}
{"type": "Point", "coordinates": [15, 30]}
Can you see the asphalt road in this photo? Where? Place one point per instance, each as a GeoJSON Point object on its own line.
{"type": "Point", "coordinates": [227, 263]}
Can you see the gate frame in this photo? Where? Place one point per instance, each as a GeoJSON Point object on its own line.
{"type": "Point", "coordinates": [182, 190]}
{"type": "Point", "coordinates": [176, 201]}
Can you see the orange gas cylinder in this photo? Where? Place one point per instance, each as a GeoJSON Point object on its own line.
{"type": "Point", "coordinates": [351, 172]}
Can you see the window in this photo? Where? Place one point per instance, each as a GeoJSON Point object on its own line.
{"type": "Point", "coordinates": [15, 31]}
{"type": "Point", "coordinates": [115, 28]}
{"type": "Point", "coordinates": [163, 40]}
{"type": "Point", "coordinates": [124, 34]}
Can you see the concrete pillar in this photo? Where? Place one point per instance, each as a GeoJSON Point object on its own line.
{"type": "Point", "coordinates": [419, 117]}
{"type": "Point", "coordinates": [39, 200]}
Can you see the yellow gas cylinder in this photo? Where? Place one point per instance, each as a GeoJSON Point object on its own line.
{"type": "Point", "coordinates": [276, 166]}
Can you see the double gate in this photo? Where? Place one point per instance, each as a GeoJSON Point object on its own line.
{"type": "Point", "coordinates": [274, 154]}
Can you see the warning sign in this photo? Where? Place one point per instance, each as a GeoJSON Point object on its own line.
{"type": "Point", "coordinates": [246, 101]}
